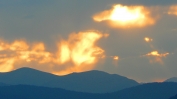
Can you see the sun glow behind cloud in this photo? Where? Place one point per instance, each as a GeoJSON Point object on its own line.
{"type": "Point", "coordinates": [126, 16]}
{"type": "Point", "coordinates": [80, 52]}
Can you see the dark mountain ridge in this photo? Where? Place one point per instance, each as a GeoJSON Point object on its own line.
{"type": "Point", "coordinates": [36, 92]}
{"type": "Point", "coordinates": [174, 97]}
{"type": "Point", "coordinates": [144, 91]}
{"type": "Point", "coordinates": [26, 76]}
{"type": "Point", "coordinates": [148, 91]}
{"type": "Point", "coordinates": [90, 81]}
{"type": "Point", "coordinates": [93, 82]}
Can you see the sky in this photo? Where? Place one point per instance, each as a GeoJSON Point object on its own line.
{"type": "Point", "coordinates": [132, 38]}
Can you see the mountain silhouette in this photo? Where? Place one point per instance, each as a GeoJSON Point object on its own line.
{"type": "Point", "coordinates": [27, 76]}
{"type": "Point", "coordinates": [3, 84]}
{"type": "Point", "coordinates": [173, 79]}
{"type": "Point", "coordinates": [93, 82]}
{"type": "Point", "coordinates": [145, 91]}
{"type": "Point", "coordinates": [36, 92]}
{"type": "Point", "coordinates": [90, 81]}
{"type": "Point", "coordinates": [174, 97]}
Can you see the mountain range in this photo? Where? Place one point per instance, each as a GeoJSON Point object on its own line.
{"type": "Point", "coordinates": [144, 91]}
{"type": "Point", "coordinates": [148, 91]}
{"type": "Point", "coordinates": [174, 97]}
{"type": "Point", "coordinates": [28, 83]}
{"type": "Point", "coordinates": [173, 79]}
{"type": "Point", "coordinates": [90, 81]}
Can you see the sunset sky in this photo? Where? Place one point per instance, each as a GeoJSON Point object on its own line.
{"type": "Point", "coordinates": [133, 38]}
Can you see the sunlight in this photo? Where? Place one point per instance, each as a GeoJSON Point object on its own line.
{"type": "Point", "coordinates": [123, 16]}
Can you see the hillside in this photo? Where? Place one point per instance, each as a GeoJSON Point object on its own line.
{"type": "Point", "coordinates": [93, 82]}
{"type": "Point", "coordinates": [148, 91]}
{"type": "Point", "coordinates": [145, 91]}
{"type": "Point", "coordinates": [35, 92]}
{"type": "Point", "coordinates": [90, 81]}
{"type": "Point", "coordinates": [174, 97]}
{"type": "Point", "coordinates": [173, 79]}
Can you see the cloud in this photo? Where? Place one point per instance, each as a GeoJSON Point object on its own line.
{"type": "Point", "coordinates": [156, 57]}
{"type": "Point", "coordinates": [76, 54]}
{"type": "Point", "coordinates": [116, 57]}
{"type": "Point", "coordinates": [126, 16]}
{"type": "Point", "coordinates": [19, 52]}
{"type": "Point", "coordinates": [156, 53]}
{"type": "Point", "coordinates": [147, 39]}
{"type": "Point", "coordinates": [80, 49]}
{"type": "Point", "coordinates": [172, 10]}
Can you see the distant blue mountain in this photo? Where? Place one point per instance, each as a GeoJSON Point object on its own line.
{"type": "Point", "coordinates": [173, 79]}
{"type": "Point", "coordinates": [145, 91]}
{"type": "Point", "coordinates": [90, 81]}
{"type": "Point", "coordinates": [3, 84]}
{"type": "Point", "coordinates": [93, 82]}
{"type": "Point", "coordinates": [174, 97]}
{"type": "Point", "coordinates": [36, 92]}
{"type": "Point", "coordinates": [27, 76]}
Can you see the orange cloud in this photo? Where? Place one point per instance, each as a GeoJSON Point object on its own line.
{"type": "Point", "coordinates": [76, 54]}
{"type": "Point", "coordinates": [155, 56]}
{"type": "Point", "coordinates": [156, 53]}
{"type": "Point", "coordinates": [126, 16]}
{"type": "Point", "coordinates": [116, 57]}
{"type": "Point", "coordinates": [147, 39]}
{"type": "Point", "coordinates": [17, 51]}
{"type": "Point", "coordinates": [172, 10]}
{"type": "Point", "coordinates": [80, 49]}
{"type": "Point", "coordinates": [115, 60]}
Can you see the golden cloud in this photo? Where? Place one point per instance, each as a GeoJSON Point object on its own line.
{"type": "Point", "coordinates": [116, 57]}
{"type": "Point", "coordinates": [156, 53]}
{"type": "Point", "coordinates": [19, 50]}
{"type": "Point", "coordinates": [79, 51]}
{"type": "Point", "coordinates": [173, 10]}
{"type": "Point", "coordinates": [147, 39]}
{"type": "Point", "coordinates": [126, 16]}
{"type": "Point", "coordinates": [115, 60]}
{"type": "Point", "coordinates": [156, 57]}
